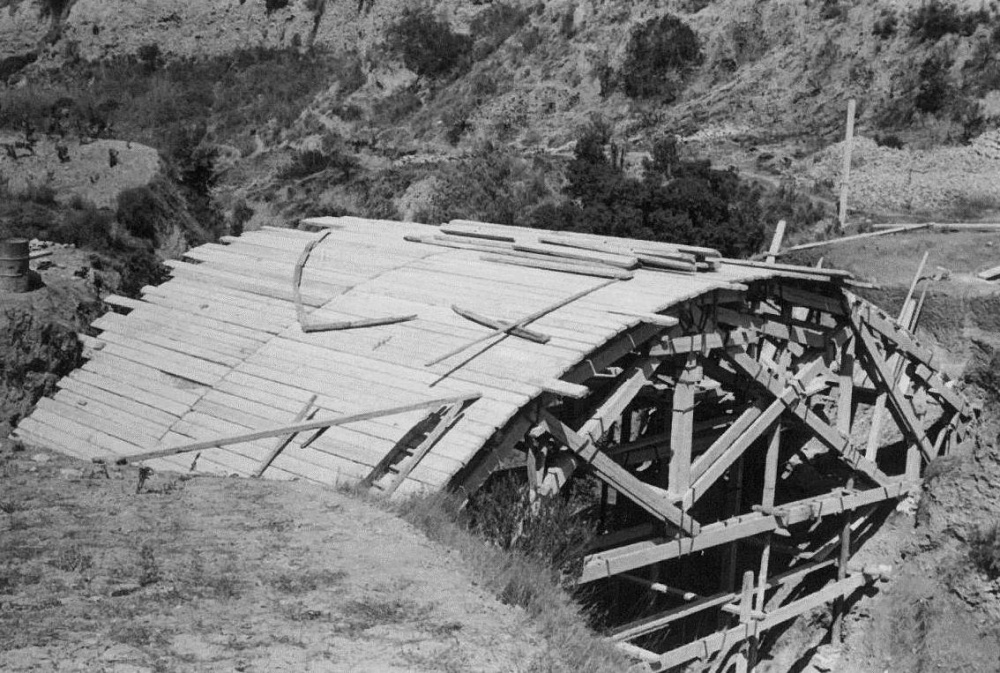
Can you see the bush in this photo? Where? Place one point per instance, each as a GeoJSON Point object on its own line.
{"type": "Point", "coordinates": [426, 44]}
{"type": "Point", "coordinates": [274, 5]}
{"type": "Point", "coordinates": [935, 19]}
{"type": "Point", "coordinates": [659, 54]}
{"type": "Point", "coordinates": [984, 550]}
{"type": "Point", "coordinates": [311, 162]}
{"type": "Point", "coordinates": [139, 269]}
{"type": "Point", "coordinates": [933, 90]}
{"type": "Point", "coordinates": [495, 24]}
{"type": "Point", "coordinates": [885, 25]}
{"type": "Point", "coordinates": [677, 201]}
{"type": "Point", "coordinates": [140, 212]}
{"type": "Point", "coordinates": [890, 140]}
{"type": "Point", "coordinates": [551, 530]}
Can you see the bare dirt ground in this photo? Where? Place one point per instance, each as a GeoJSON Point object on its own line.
{"type": "Point", "coordinates": [203, 573]}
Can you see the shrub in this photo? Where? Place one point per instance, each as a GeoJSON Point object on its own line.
{"type": "Point", "coordinates": [677, 201]}
{"type": "Point", "coordinates": [885, 25]}
{"type": "Point", "coordinates": [890, 140]}
{"type": "Point", "coordinates": [494, 25]}
{"type": "Point", "coordinates": [935, 19]}
{"type": "Point", "coordinates": [138, 269]}
{"type": "Point", "coordinates": [427, 45]}
{"type": "Point", "coordinates": [551, 530]}
{"type": "Point", "coordinates": [311, 162]}
{"type": "Point", "coordinates": [832, 9]}
{"type": "Point", "coordinates": [933, 90]}
{"type": "Point", "coordinates": [274, 5]}
{"type": "Point", "coordinates": [659, 54]}
{"type": "Point", "coordinates": [984, 550]}
{"type": "Point", "coordinates": [140, 212]}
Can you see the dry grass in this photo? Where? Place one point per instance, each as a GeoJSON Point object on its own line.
{"type": "Point", "coordinates": [517, 579]}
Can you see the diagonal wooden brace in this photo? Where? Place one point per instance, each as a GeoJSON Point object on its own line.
{"type": "Point", "coordinates": [618, 477]}
{"type": "Point", "coordinates": [830, 437]}
{"type": "Point", "coordinates": [880, 372]}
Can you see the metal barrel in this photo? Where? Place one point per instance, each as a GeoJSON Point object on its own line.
{"type": "Point", "coordinates": [14, 265]}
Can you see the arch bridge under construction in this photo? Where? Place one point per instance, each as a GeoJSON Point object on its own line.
{"type": "Point", "coordinates": [750, 424]}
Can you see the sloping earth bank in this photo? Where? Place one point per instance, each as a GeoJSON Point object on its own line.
{"type": "Point", "coordinates": [208, 574]}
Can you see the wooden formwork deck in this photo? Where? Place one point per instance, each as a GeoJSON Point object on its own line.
{"type": "Point", "coordinates": [717, 402]}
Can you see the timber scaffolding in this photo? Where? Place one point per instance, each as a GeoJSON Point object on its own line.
{"type": "Point", "coordinates": [730, 413]}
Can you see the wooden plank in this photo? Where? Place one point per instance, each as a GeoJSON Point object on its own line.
{"type": "Point", "coordinates": [128, 399]}
{"type": "Point", "coordinates": [298, 427]}
{"type": "Point", "coordinates": [558, 252]}
{"type": "Point", "coordinates": [786, 330]}
{"type": "Point", "coordinates": [282, 442]}
{"type": "Point", "coordinates": [629, 557]}
{"type": "Point", "coordinates": [657, 319]}
{"type": "Point", "coordinates": [420, 452]}
{"type": "Point", "coordinates": [562, 267]}
{"type": "Point", "coordinates": [519, 332]}
{"type": "Point", "coordinates": [855, 237]}
{"type": "Point", "coordinates": [619, 478]}
{"type": "Point", "coordinates": [804, 271]}
{"type": "Point", "coordinates": [845, 183]}
{"type": "Point", "coordinates": [726, 439]}
{"type": "Point", "coordinates": [523, 322]}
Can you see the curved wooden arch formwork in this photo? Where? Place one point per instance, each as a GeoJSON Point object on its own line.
{"type": "Point", "coordinates": [784, 381]}
{"type": "Point", "coordinates": [732, 410]}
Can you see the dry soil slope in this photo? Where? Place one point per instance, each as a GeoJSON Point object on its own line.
{"type": "Point", "coordinates": [209, 574]}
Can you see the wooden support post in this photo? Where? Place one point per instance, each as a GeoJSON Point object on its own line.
{"type": "Point", "coordinates": [845, 405]}
{"type": "Point", "coordinates": [836, 632]}
{"type": "Point", "coordinates": [779, 234]}
{"type": "Point", "coordinates": [848, 147]}
{"type": "Point", "coordinates": [618, 477]}
{"type": "Point", "coordinates": [682, 426]}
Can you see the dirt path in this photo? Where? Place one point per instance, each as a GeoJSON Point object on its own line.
{"type": "Point", "coordinates": [216, 574]}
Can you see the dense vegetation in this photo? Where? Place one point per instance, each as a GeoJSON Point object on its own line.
{"type": "Point", "coordinates": [675, 200]}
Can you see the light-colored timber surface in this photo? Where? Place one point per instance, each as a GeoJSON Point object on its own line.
{"type": "Point", "coordinates": [217, 350]}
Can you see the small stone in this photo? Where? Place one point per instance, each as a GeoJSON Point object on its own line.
{"type": "Point", "coordinates": [70, 473]}
{"type": "Point", "coordinates": [125, 589]}
{"type": "Point", "coordinates": [41, 458]}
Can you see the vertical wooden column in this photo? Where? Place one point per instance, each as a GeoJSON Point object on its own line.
{"type": "Point", "coordinates": [682, 426]}
{"type": "Point", "coordinates": [836, 631]}
{"type": "Point", "coordinates": [845, 404]}
{"type": "Point", "coordinates": [735, 497]}
{"type": "Point", "coordinates": [845, 184]}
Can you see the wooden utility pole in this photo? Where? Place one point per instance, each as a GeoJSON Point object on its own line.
{"type": "Point", "coordinates": [848, 146]}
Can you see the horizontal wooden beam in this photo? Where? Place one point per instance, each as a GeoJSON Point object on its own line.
{"type": "Point", "coordinates": [706, 647]}
{"type": "Point", "coordinates": [629, 557]}
{"type": "Point", "coordinates": [779, 329]}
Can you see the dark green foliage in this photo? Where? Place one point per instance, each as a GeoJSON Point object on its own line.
{"type": "Point", "coordinates": [659, 55]}
{"type": "Point", "coordinates": [677, 200]}
{"type": "Point", "coordinates": [492, 186]}
{"type": "Point", "coordinates": [48, 8]}
{"type": "Point", "coordinates": [494, 25]}
{"type": "Point", "coordinates": [984, 550]}
{"type": "Point", "coordinates": [885, 25]}
{"type": "Point", "coordinates": [138, 269]}
{"type": "Point", "coordinates": [427, 45]}
{"type": "Point", "coordinates": [797, 209]}
{"type": "Point", "coordinates": [341, 165]}
{"type": "Point", "coordinates": [37, 353]}
{"type": "Point", "coordinates": [274, 5]}
{"type": "Point", "coordinates": [241, 215]}
{"type": "Point", "coordinates": [935, 18]}
{"type": "Point", "coordinates": [934, 89]}
{"type": "Point", "coordinates": [553, 530]}
{"type": "Point", "coordinates": [890, 140]}
{"type": "Point", "coordinates": [832, 9]}
{"type": "Point", "coordinates": [140, 211]}
{"type": "Point", "coordinates": [150, 57]}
